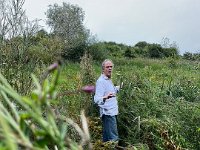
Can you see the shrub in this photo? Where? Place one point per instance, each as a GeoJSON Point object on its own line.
{"type": "Point", "coordinates": [130, 52]}
{"type": "Point", "coordinates": [187, 90]}
{"type": "Point", "coordinates": [155, 51]}
{"type": "Point", "coordinates": [98, 51]}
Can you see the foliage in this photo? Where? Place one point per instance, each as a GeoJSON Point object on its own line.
{"type": "Point", "coordinates": [16, 64]}
{"type": "Point", "coordinates": [87, 78]}
{"type": "Point", "coordinates": [170, 52]}
{"type": "Point", "coordinates": [66, 22]}
{"type": "Point", "coordinates": [159, 103]}
{"type": "Point", "coordinates": [46, 49]}
{"type": "Point", "coordinates": [187, 90]}
{"type": "Point", "coordinates": [15, 33]}
{"type": "Point", "coordinates": [141, 49]}
{"type": "Point", "coordinates": [35, 125]}
{"type": "Point", "coordinates": [141, 44]}
{"type": "Point", "coordinates": [192, 56]}
{"type": "Point", "coordinates": [87, 71]}
{"type": "Point", "coordinates": [130, 52]}
{"type": "Point", "coordinates": [152, 113]}
{"type": "Point", "coordinates": [112, 49]}
{"type": "Point", "coordinates": [13, 20]}
{"type": "Point", "coordinates": [97, 51]}
{"type": "Point", "coordinates": [155, 51]}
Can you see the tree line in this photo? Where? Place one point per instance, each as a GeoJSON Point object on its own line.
{"type": "Point", "coordinates": [26, 41]}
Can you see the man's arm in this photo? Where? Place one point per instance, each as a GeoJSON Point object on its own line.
{"type": "Point", "coordinates": [99, 93]}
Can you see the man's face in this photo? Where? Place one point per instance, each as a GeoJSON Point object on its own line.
{"type": "Point", "coordinates": [107, 69]}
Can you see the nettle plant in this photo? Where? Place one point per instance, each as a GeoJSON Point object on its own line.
{"type": "Point", "coordinates": [30, 122]}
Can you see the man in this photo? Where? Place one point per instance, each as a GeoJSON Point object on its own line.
{"type": "Point", "coordinates": [105, 97]}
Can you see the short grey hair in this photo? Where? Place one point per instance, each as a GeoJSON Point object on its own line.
{"type": "Point", "coordinates": [105, 61]}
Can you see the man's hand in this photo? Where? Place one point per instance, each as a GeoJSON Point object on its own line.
{"type": "Point", "coordinates": [109, 95]}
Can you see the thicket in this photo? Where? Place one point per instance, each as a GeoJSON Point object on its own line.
{"type": "Point", "coordinates": [157, 109]}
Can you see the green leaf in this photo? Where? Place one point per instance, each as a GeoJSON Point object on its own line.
{"type": "Point", "coordinates": [11, 105]}
{"type": "Point", "coordinates": [28, 101]}
{"type": "Point", "coordinates": [8, 134]}
{"type": "Point", "coordinates": [5, 82]}
{"type": "Point", "coordinates": [63, 130]}
{"type": "Point", "coordinates": [36, 82]}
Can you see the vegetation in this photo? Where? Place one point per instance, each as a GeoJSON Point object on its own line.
{"type": "Point", "coordinates": [191, 56]}
{"type": "Point", "coordinates": [31, 123]}
{"type": "Point", "coordinates": [66, 22]}
{"type": "Point", "coordinates": [155, 109]}
{"type": "Point", "coordinates": [159, 102]}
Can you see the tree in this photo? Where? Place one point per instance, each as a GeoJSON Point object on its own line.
{"type": "Point", "coordinates": [141, 44]}
{"type": "Point", "coordinates": [141, 48]}
{"type": "Point", "coordinates": [15, 33]}
{"type": "Point", "coordinates": [130, 52]}
{"type": "Point", "coordinates": [98, 51]}
{"type": "Point", "coordinates": [13, 21]}
{"type": "Point", "coordinates": [170, 52]}
{"type": "Point", "coordinates": [155, 51]}
{"type": "Point", "coordinates": [3, 19]}
{"type": "Point", "coordinates": [191, 56]}
{"type": "Point", "coordinates": [66, 21]}
{"type": "Point", "coordinates": [169, 49]}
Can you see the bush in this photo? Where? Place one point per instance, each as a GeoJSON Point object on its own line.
{"type": "Point", "coordinates": [186, 90]}
{"type": "Point", "coordinates": [46, 50]}
{"type": "Point", "coordinates": [192, 56]}
{"type": "Point", "coordinates": [155, 51]}
{"type": "Point", "coordinates": [130, 52]}
{"type": "Point", "coordinates": [98, 51]}
{"type": "Point", "coordinates": [148, 114]}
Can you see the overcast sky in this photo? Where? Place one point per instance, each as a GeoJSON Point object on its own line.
{"type": "Point", "coordinates": [131, 21]}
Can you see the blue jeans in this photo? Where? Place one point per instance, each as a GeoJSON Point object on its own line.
{"type": "Point", "coordinates": [110, 132]}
